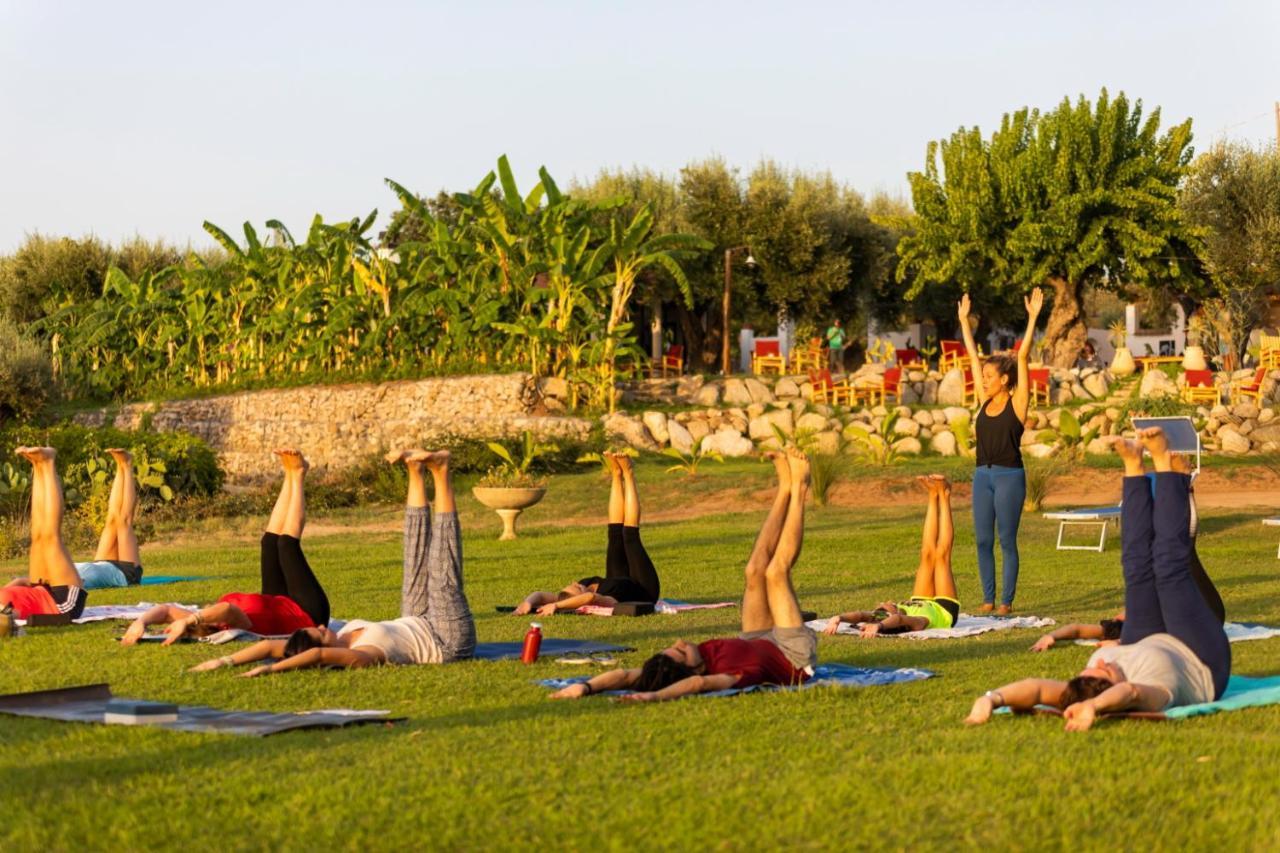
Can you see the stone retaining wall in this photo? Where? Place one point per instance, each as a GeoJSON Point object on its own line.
{"type": "Point", "coordinates": [339, 425]}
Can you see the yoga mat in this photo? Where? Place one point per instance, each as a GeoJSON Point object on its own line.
{"type": "Point", "coordinates": [87, 704]}
{"type": "Point", "coordinates": [668, 606]}
{"type": "Point", "coordinates": [966, 626]}
{"type": "Point", "coordinates": [1242, 691]}
{"type": "Point", "coordinates": [128, 612]}
{"type": "Point", "coordinates": [550, 646]}
{"type": "Point", "coordinates": [824, 675]}
{"type": "Point", "coordinates": [1237, 632]}
{"type": "Point", "coordinates": [157, 580]}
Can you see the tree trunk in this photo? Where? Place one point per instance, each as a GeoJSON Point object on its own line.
{"type": "Point", "coordinates": [1066, 330]}
{"type": "Point", "coordinates": [699, 350]}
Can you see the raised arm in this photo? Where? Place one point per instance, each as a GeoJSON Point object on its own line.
{"type": "Point", "coordinates": [686, 687]}
{"type": "Point", "coordinates": [1022, 394]}
{"type": "Point", "coordinates": [1125, 696]}
{"type": "Point", "coordinates": [971, 349]}
{"type": "Point", "coordinates": [260, 650]}
{"type": "Point", "coordinates": [1076, 631]}
{"type": "Point", "coordinates": [343, 658]}
{"type": "Point", "coordinates": [1021, 695]}
{"type": "Point", "coordinates": [614, 679]}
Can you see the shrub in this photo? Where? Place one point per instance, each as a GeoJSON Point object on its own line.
{"type": "Point", "coordinates": [1041, 474]}
{"type": "Point", "coordinates": [190, 465]}
{"type": "Point", "coordinates": [26, 375]}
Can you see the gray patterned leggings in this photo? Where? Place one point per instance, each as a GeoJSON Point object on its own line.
{"type": "Point", "coordinates": [432, 586]}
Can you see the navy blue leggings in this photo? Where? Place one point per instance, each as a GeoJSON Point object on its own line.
{"type": "Point", "coordinates": [998, 493]}
{"type": "Point", "coordinates": [1160, 594]}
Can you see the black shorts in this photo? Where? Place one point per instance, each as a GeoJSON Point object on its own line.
{"type": "Point", "coordinates": [132, 571]}
{"type": "Point", "coordinates": [952, 607]}
{"type": "Point", "coordinates": [70, 600]}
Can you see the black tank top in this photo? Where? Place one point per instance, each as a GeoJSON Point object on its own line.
{"type": "Point", "coordinates": [1000, 437]}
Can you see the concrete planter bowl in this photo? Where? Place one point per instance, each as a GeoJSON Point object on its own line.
{"type": "Point", "coordinates": [508, 503]}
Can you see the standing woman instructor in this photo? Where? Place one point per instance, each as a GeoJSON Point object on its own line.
{"type": "Point", "coordinates": [1000, 482]}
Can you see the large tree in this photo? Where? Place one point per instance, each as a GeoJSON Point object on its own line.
{"type": "Point", "coordinates": [1084, 196]}
{"type": "Point", "coordinates": [1233, 195]}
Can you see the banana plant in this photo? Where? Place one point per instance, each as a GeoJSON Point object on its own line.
{"type": "Point", "coordinates": [689, 462]}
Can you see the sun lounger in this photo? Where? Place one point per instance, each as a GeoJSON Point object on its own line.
{"type": "Point", "coordinates": [1274, 521]}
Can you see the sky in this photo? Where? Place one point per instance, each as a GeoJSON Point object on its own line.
{"type": "Point", "coordinates": [148, 118]}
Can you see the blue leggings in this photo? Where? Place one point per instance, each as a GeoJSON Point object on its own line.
{"type": "Point", "coordinates": [998, 493]}
{"type": "Point", "coordinates": [1160, 594]}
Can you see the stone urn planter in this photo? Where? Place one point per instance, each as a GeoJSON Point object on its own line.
{"type": "Point", "coordinates": [508, 502]}
{"type": "Point", "coordinates": [1122, 364]}
{"type": "Point", "coordinates": [1193, 359]}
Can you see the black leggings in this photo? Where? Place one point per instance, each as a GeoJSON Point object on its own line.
{"type": "Point", "coordinates": [285, 571]}
{"type": "Point", "coordinates": [626, 558]}
{"type": "Point", "coordinates": [1160, 595]}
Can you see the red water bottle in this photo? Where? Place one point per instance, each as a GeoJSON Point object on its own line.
{"type": "Point", "coordinates": [532, 643]}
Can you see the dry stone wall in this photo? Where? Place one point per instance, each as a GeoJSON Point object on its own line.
{"type": "Point", "coordinates": [339, 425]}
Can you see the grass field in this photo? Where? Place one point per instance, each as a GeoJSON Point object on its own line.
{"type": "Point", "coordinates": [485, 761]}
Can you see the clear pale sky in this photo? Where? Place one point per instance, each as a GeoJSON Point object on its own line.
{"type": "Point", "coordinates": [149, 117]}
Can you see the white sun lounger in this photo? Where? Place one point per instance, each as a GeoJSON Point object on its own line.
{"type": "Point", "coordinates": [1098, 517]}
{"type": "Point", "coordinates": [1182, 437]}
{"type": "Point", "coordinates": [1274, 521]}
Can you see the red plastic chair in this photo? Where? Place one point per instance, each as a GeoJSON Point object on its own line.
{"type": "Point", "coordinates": [672, 359]}
{"type": "Point", "coordinates": [952, 355]}
{"type": "Point", "coordinates": [1038, 384]}
{"type": "Point", "coordinates": [1200, 387]}
{"type": "Point", "coordinates": [767, 357]}
{"type": "Point", "coordinates": [908, 357]}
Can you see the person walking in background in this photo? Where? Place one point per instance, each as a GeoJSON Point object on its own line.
{"type": "Point", "coordinates": [835, 346]}
{"type": "Point", "coordinates": [1000, 482]}
{"type": "Point", "coordinates": [1088, 358]}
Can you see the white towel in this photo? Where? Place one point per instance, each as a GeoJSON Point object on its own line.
{"type": "Point", "coordinates": [128, 612]}
{"type": "Point", "coordinates": [1235, 631]}
{"type": "Point", "coordinates": [966, 626]}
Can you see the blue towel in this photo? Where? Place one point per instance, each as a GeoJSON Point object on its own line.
{"type": "Point", "coordinates": [824, 675]}
{"type": "Point", "coordinates": [156, 580]}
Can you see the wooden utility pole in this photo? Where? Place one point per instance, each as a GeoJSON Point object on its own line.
{"type": "Point", "coordinates": [1277, 124]}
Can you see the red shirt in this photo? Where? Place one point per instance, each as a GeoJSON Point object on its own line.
{"type": "Point", "coordinates": [270, 614]}
{"type": "Point", "coordinates": [28, 601]}
{"type": "Point", "coordinates": [753, 661]}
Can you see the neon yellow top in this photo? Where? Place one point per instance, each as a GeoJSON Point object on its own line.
{"type": "Point", "coordinates": [927, 607]}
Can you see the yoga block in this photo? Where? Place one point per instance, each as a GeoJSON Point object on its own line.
{"type": "Point", "coordinates": [136, 713]}
{"type": "Point", "coordinates": [46, 620]}
{"type": "Point", "coordinates": [632, 608]}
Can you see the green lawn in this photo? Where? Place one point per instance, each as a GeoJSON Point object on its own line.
{"type": "Point", "coordinates": [486, 761]}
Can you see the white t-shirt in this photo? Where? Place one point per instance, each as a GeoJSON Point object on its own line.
{"type": "Point", "coordinates": [1162, 660]}
{"type": "Point", "coordinates": [407, 640]}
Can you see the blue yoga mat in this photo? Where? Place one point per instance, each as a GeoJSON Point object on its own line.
{"type": "Point", "coordinates": [1242, 692]}
{"type": "Point", "coordinates": [824, 675]}
{"type": "Point", "coordinates": [550, 646]}
{"type": "Point", "coordinates": [156, 580]}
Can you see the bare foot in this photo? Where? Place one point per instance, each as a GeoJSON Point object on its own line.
{"type": "Point", "coordinates": [1179, 463]}
{"type": "Point", "coordinates": [611, 462]}
{"type": "Point", "coordinates": [395, 457]}
{"type": "Point", "coordinates": [293, 460]}
{"type": "Point", "coordinates": [1130, 452]}
{"type": "Point", "coordinates": [36, 455]}
{"type": "Point", "coordinates": [780, 467]}
{"type": "Point", "coordinates": [623, 461]}
{"type": "Point", "coordinates": [1153, 439]}
{"type": "Point", "coordinates": [799, 465]}
{"type": "Point", "coordinates": [925, 482]}
{"type": "Point", "coordinates": [437, 461]}
{"type": "Point", "coordinates": [123, 457]}
{"type": "Point", "coordinates": [942, 483]}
